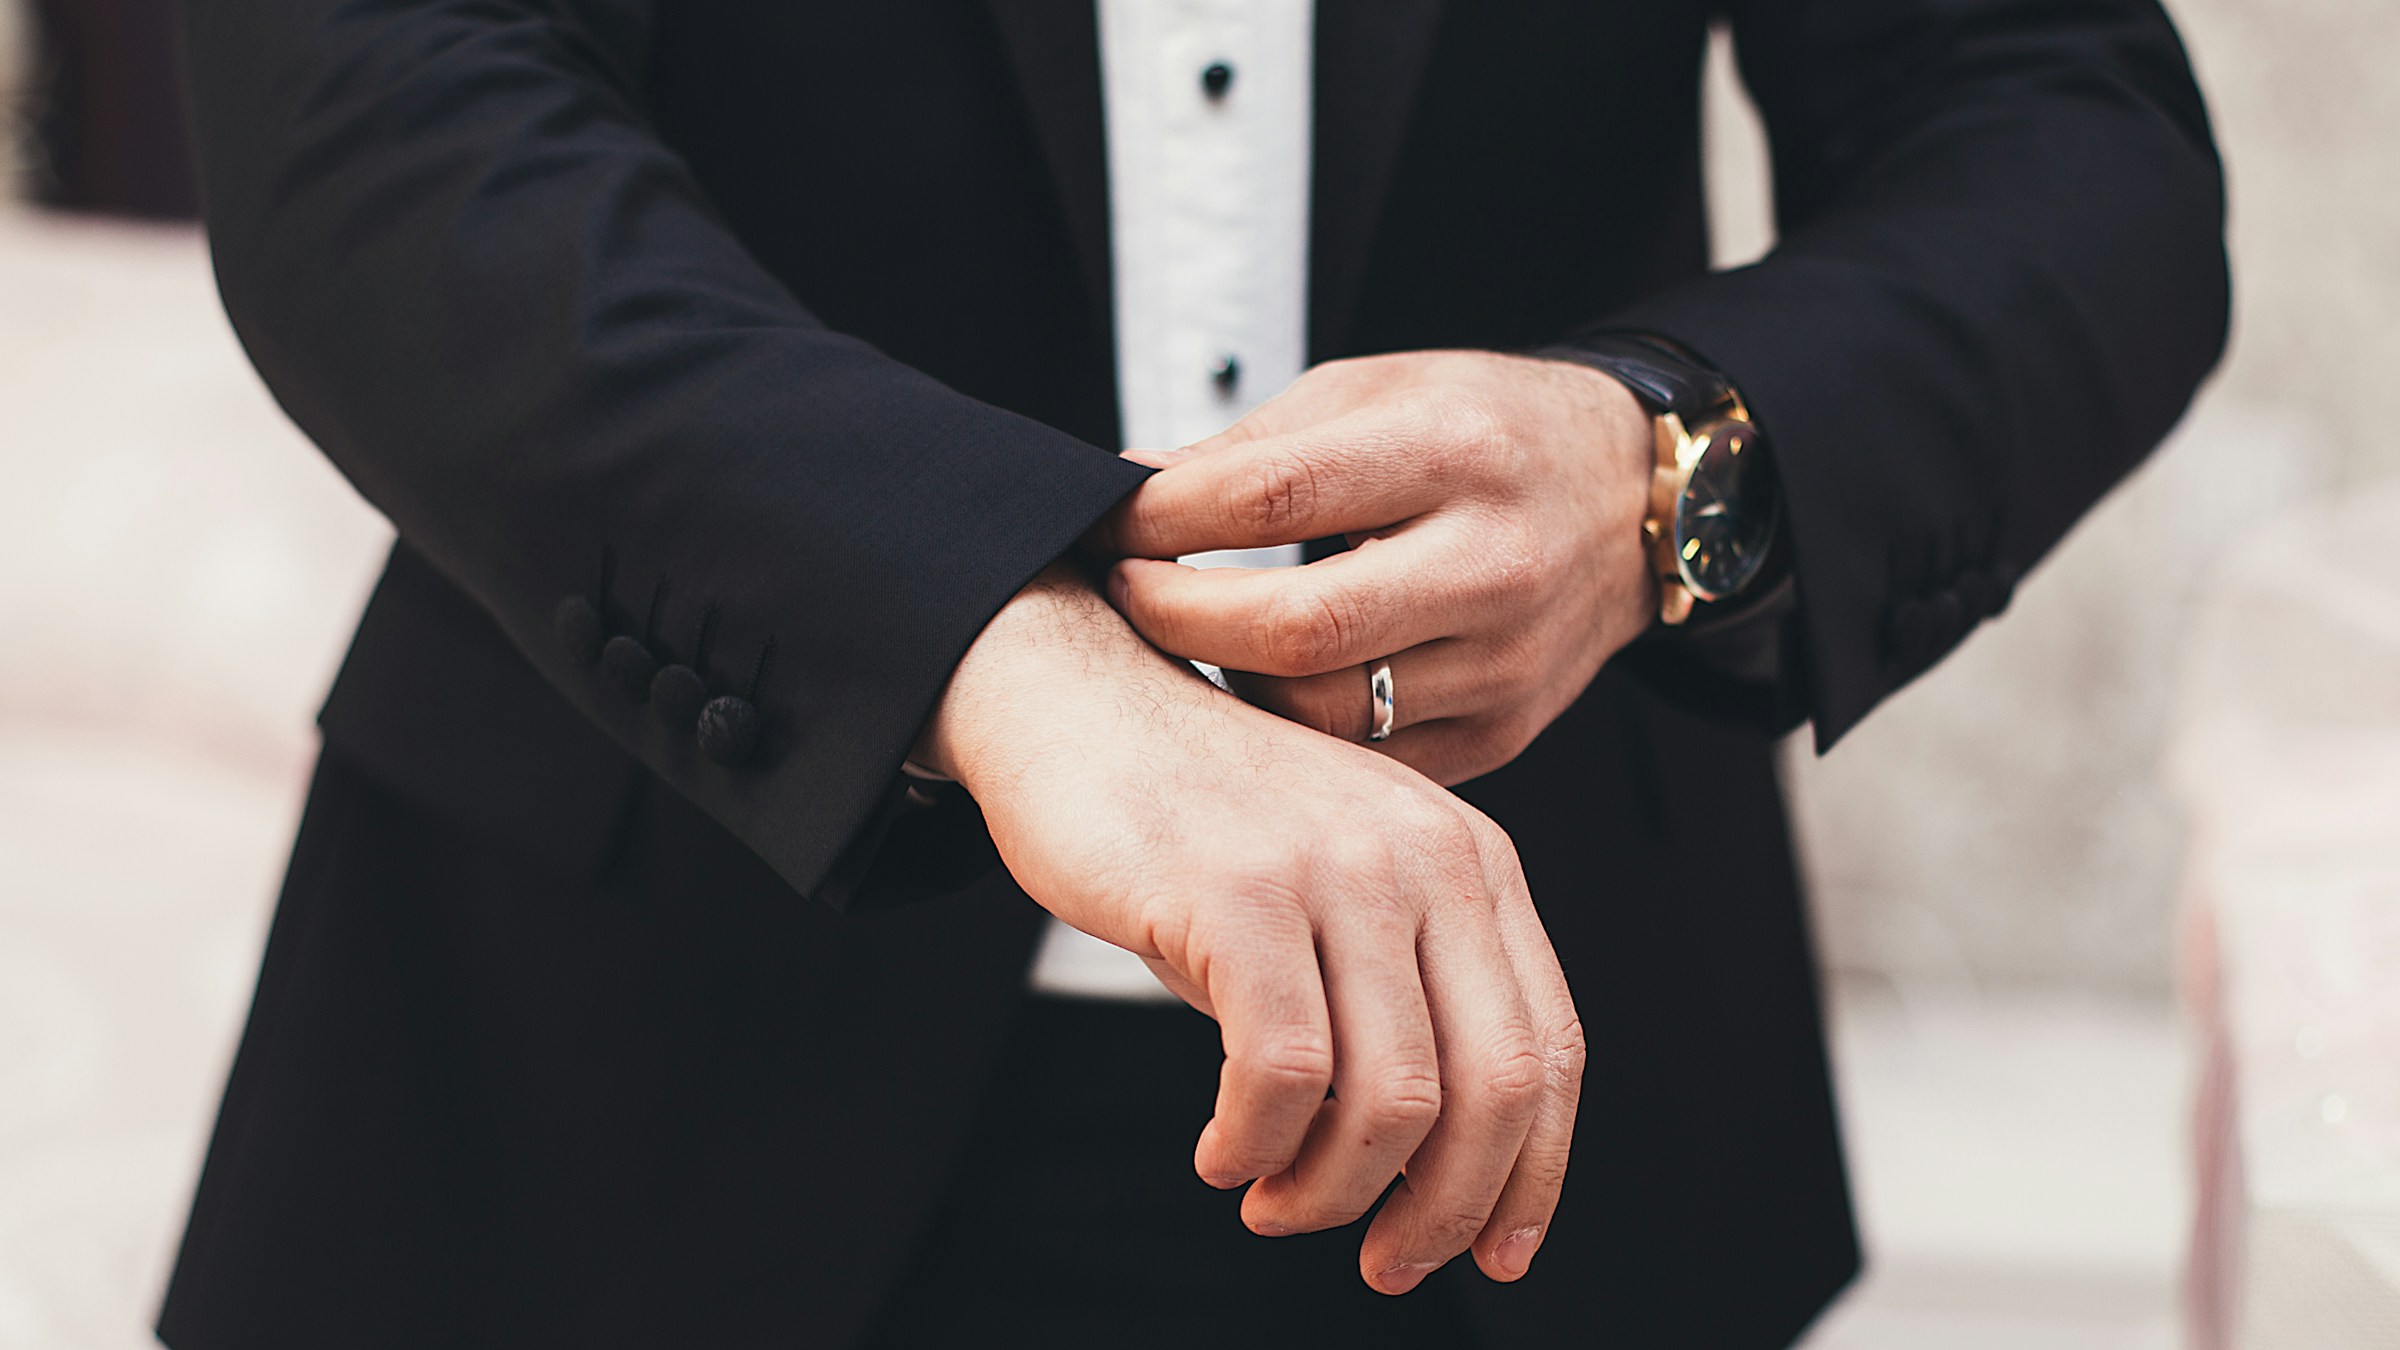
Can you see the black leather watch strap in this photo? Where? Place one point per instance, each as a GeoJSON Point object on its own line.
{"type": "Point", "coordinates": [1660, 378]}
{"type": "Point", "coordinates": [1734, 658]}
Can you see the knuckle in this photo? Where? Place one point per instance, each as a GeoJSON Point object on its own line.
{"type": "Point", "coordinates": [1167, 928]}
{"type": "Point", "coordinates": [1283, 494]}
{"type": "Point", "coordinates": [1447, 841]}
{"type": "Point", "coordinates": [1295, 1064]}
{"type": "Point", "coordinates": [1451, 1228]}
{"type": "Point", "coordinates": [1541, 1173]}
{"type": "Point", "coordinates": [1564, 1055]}
{"type": "Point", "coordinates": [1517, 1077]}
{"type": "Point", "coordinates": [1492, 842]}
{"type": "Point", "coordinates": [1435, 456]}
{"type": "Point", "coordinates": [1317, 710]}
{"type": "Point", "coordinates": [1360, 859]}
{"type": "Point", "coordinates": [1264, 883]}
{"type": "Point", "coordinates": [1511, 657]}
{"type": "Point", "coordinates": [1426, 819]}
{"type": "Point", "coordinates": [1468, 419]}
{"type": "Point", "coordinates": [1306, 630]}
{"type": "Point", "coordinates": [1149, 518]}
{"type": "Point", "coordinates": [1404, 1100]}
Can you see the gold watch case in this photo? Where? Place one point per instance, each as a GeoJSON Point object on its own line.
{"type": "Point", "coordinates": [1712, 516]}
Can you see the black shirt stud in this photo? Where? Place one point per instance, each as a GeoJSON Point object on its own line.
{"type": "Point", "coordinates": [1216, 79]}
{"type": "Point", "coordinates": [1226, 373]}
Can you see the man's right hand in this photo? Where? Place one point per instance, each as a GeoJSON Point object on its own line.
{"type": "Point", "coordinates": [1349, 924]}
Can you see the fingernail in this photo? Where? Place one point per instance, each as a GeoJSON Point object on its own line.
{"type": "Point", "coordinates": [1117, 585]}
{"type": "Point", "coordinates": [1408, 1275]}
{"type": "Point", "coordinates": [1515, 1252]}
{"type": "Point", "coordinates": [1225, 1183]}
{"type": "Point", "coordinates": [1270, 1228]}
{"type": "Point", "coordinates": [1156, 459]}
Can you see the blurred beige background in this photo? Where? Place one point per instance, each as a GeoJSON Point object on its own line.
{"type": "Point", "coordinates": [2003, 819]}
{"type": "Point", "coordinates": [1995, 857]}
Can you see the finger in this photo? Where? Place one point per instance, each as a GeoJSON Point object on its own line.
{"type": "Point", "coordinates": [1492, 1083]}
{"type": "Point", "coordinates": [1361, 471]}
{"type": "Point", "coordinates": [1436, 680]}
{"type": "Point", "coordinates": [1455, 750]}
{"type": "Point", "coordinates": [1321, 394]}
{"type": "Point", "coordinates": [1386, 1085]}
{"type": "Point", "coordinates": [1270, 1004]}
{"type": "Point", "coordinates": [1240, 433]}
{"type": "Point", "coordinates": [1521, 1217]}
{"type": "Point", "coordinates": [1388, 595]}
{"type": "Point", "coordinates": [1181, 987]}
{"type": "Point", "coordinates": [1304, 403]}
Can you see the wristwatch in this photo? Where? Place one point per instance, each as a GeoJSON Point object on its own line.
{"type": "Point", "coordinates": [1714, 505]}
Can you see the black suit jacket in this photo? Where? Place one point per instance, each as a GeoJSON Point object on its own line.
{"type": "Point", "coordinates": [799, 313]}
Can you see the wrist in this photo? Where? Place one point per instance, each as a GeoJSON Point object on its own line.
{"type": "Point", "coordinates": [1714, 510]}
{"type": "Point", "coordinates": [1615, 445]}
{"type": "Point", "coordinates": [1613, 419]}
{"type": "Point", "coordinates": [956, 739]}
{"type": "Point", "coordinates": [1051, 669]}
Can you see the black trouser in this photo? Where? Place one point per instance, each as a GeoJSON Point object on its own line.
{"type": "Point", "coordinates": [492, 1098]}
{"type": "Point", "coordinates": [1076, 1219]}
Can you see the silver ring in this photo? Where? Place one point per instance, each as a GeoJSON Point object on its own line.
{"type": "Point", "coordinates": [1379, 700]}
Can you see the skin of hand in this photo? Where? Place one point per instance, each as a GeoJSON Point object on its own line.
{"type": "Point", "coordinates": [1350, 925]}
{"type": "Point", "coordinates": [1493, 504]}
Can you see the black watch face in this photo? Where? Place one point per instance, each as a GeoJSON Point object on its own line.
{"type": "Point", "coordinates": [1726, 520]}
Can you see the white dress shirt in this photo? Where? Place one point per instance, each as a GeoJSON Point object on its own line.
{"type": "Point", "coordinates": [1207, 105]}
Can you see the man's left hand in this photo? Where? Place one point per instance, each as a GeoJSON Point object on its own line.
{"type": "Point", "coordinates": [1493, 505]}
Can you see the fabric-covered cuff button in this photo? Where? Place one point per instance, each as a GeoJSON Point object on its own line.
{"type": "Point", "coordinates": [630, 664]}
{"type": "Point", "coordinates": [577, 623]}
{"type": "Point", "coordinates": [728, 729]}
{"type": "Point", "coordinates": [677, 694]}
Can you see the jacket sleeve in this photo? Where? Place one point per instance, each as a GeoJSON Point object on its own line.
{"type": "Point", "coordinates": [471, 272]}
{"type": "Point", "coordinates": [2000, 279]}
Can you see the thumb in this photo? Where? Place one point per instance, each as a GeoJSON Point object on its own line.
{"type": "Point", "coordinates": [1311, 399]}
{"type": "Point", "coordinates": [1256, 426]}
{"type": "Point", "coordinates": [1155, 459]}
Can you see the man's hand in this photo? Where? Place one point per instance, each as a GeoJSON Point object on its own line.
{"type": "Point", "coordinates": [1351, 926]}
{"type": "Point", "coordinates": [1494, 505]}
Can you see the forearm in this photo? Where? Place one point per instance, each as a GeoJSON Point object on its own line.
{"type": "Point", "coordinates": [464, 261]}
{"type": "Point", "coordinates": [1338, 914]}
{"type": "Point", "coordinates": [1054, 664]}
{"type": "Point", "coordinates": [2002, 276]}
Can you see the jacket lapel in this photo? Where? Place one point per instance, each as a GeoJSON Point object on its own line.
{"type": "Point", "coordinates": [1054, 47]}
{"type": "Point", "coordinates": [1370, 56]}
